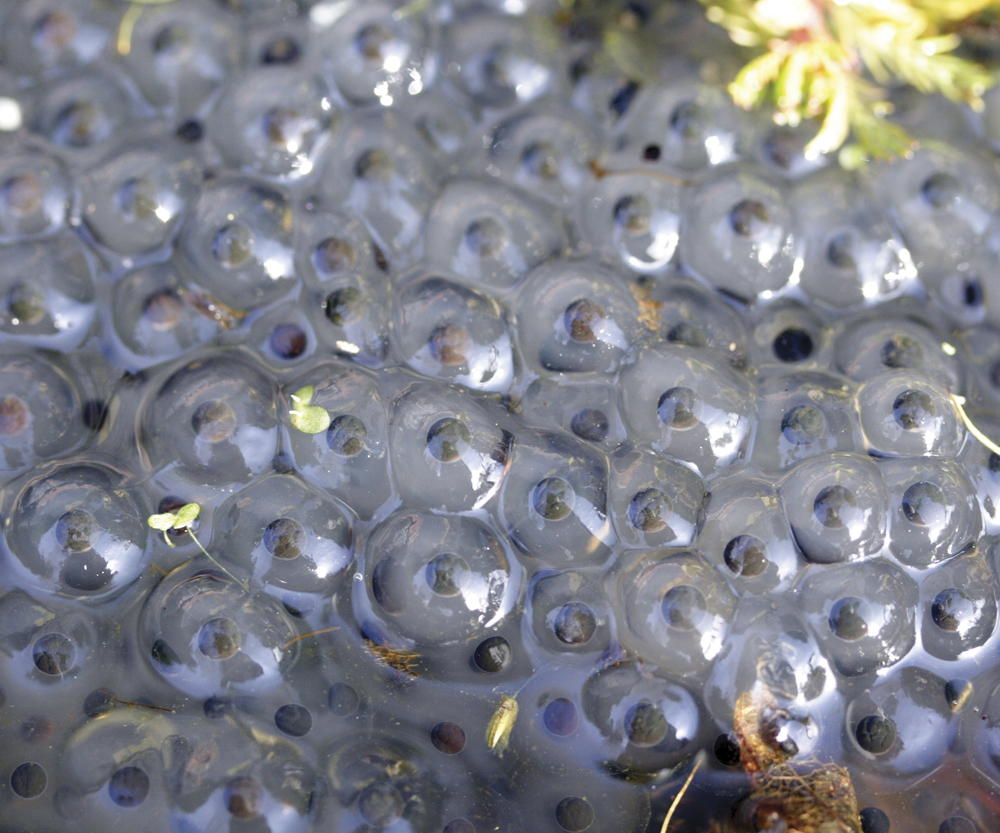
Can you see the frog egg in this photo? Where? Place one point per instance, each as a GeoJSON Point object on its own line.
{"type": "Point", "coordinates": [787, 333]}
{"type": "Point", "coordinates": [570, 615]}
{"type": "Point", "coordinates": [440, 121]}
{"type": "Point", "coordinates": [181, 52]}
{"type": "Point", "coordinates": [862, 614]}
{"type": "Point", "coordinates": [288, 535]}
{"type": "Point", "coordinates": [545, 150]}
{"type": "Point", "coordinates": [702, 415]}
{"type": "Point", "coordinates": [85, 109]}
{"type": "Point", "coordinates": [578, 317]}
{"type": "Point", "coordinates": [490, 233]}
{"type": "Point", "coordinates": [212, 421]}
{"type": "Point", "coordinates": [837, 507]}
{"type": "Point", "coordinates": [448, 451]}
{"type": "Point", "coordinates": [502, 62]}
{"type": "Point", "coordinates": [35, 195]}
{"type": "Point", "coordinates": [449, 331]}
{"type": "Point", "coordinates": [569, 799]}
{"type": "Point", "coordinates": [331, 245]}
{"type": "Point", "coordinates": [852, 255]}
{"type": "Point", "coordinates": [782, 149]}
{"type": "Point", "coordinates": [685, 312]}
{"type": "Point", "coordinates": [746, 536]}
{"type": "Point", "coordinates": [378, 52]}
{"type": "Point", "coordinates": [43, 35]}
{"type": "Point", "coordinates": [585, 409]}
{"type": "Point", "coordinates": [647, 722]}
{"type": "Point", "coordinates": [633, 218]}
{"type": "Point", "coordinates": [133, 199]}
{"type": "Point", "coordinates": [39, 409]}
{"type": "Point", "coordinates": [965, 293]}
{"type": "Point", "coordinates": [901, 727]}
{"type": "Point", "coordinates": [673, 610]}
{"type": "Point", "coordinates": [983, 467]}
{"type": "Point", "coordinates": [281, 43]}
{"type": "Point", "coordinates": [959, 603]}
{"type": "Point", "coordinates": [692, 128]}
{"type": "Point", "coordinates": [943, 200]}
{"type": "Point", "coordinates": [384, 783]}
{"type": "Point", "coordinates": [935, 515]}
{"type": "Point", "coordinates": [77, 530]}
{"type": "Point", "coordinates": [350, 458]}
{"type": "Point", "coordinates": [154, 319]}
{"type": "Point", "coordinates": [283, 335]}
{"type": "Point", "coordinates": [50, 654]}
{"type": "Point", "coordinates": [272, 121]}
{"type": "Point", "coordinates": [347, 319]}
{"type": "Point", "coordinates": [803, 415]}
{"type": "Point", "coordinates": [909, 414]}
{"type": "Point", "coordinates": [655, 502]}
{"type": "Point", "coordinates": [377, 166]}
{"type": "Point", "coordinates": [436, 579]}
{"type": "Point", "coordinates": [553, 501]}
{"type": "Point", "coordinates": [738, 233]}
{"type": "Point", "coordinates": [55, 306]}
{"type": "Point", "coordinates": [236, 242]}
{"type": "Point", "coordinates": [204, 634]}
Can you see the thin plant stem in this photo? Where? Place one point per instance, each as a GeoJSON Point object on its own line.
{"type": "Point", "coordinates": [210, 557]}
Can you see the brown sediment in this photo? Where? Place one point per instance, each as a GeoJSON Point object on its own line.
{"type": "Point", "coordinates": [398, 659]}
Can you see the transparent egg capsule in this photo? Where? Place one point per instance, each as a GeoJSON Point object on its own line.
{"type": "Point", "coordinates": [943, 199]}
{"type": "Point", "coordinates": [966, 294]}
{"type": "Point", "coordinates": [283, 335]}
{"type": "Point", "coordinates": [586, 409]}
{"type": "Point", "coordinates": [683, 311]}
{"type": "Point", "coordinates": [331, 245]}
{"type": "Point", "coordinates": [909, 414]}
{"type": "Point", "coordinates": [788, 333]}
{"type": "Point", "coordinates": [77, 530]}
{"type": "Point", "coordinates": [154, 318]}
{"type": "Point", "coordinates": [645, 721]}
{"type": "Point", "coordinates": [684, 128]}
{"type": "Point", "coordinates": [872, 346]}
{"type": "Point", "coordinates": [272, 120]}
{"type": "Point", "coordinates": [48, 293]}
{"type": "Point", "coordinates": [39, 409]}
{"type": "Point", "coordinates": [771, 654]}
{"type": "Point", "coordinates": [959, 607]}
{"type": "Point", "coordinates": [351, 457]}
{"type": "Point", "coordinates": [782, 148]}
{"type": "Point", "coordinates": [553, 501]}
{"type": "Point", "coordinates": [983, 729]}
{"type": "Point", "coordinates": [862, 614]}
{"type": "Point", "coordinates": [436, 579]}
{"type": "Point", "coordinates": [491, 233]}
{"type": "Point", "coordinates": [570, 614]}
{"type": "Point", "coordinates": [901, 727]}
{"type": "Point", "coordinates": [378, 166]}
{"type": "Point", "coordinates": [837, 507]}
{"type": "Point", "coordinates": [545, 150]}
{"type": "Point", "coordinates": [452, 332]}
{"type": "Point", "coordinates": [983, 467]}
{"type": "Point", "coordinates": [212, 421]}
{"type": "Point", "coordinates": [934, 513]}
{"type": "Point", "coordinates": [205, 634]}
{"type": "Point", "coordinates": [237, 242]}
{"type": "Point", "coordinates": [288, 535]}
{"type": "Point", "coordinates": [441, 121]}
{"type": "Point", "coordinates": [377, 51]}
{"type": "Point", "coordinates": [281, 43]}
{"type": "Point", "coordinates": [803, 415]}
{"type": "Point", "coordinates": [577, 316]}
{"type": "Point", "coordinates": [502, 62]}
{"type": "Point", "coordinates": [703, 413]}
{"type": "Point", "coordinates": [851, 253]}
{"type": "Point", "coordinates": [383, 783]}
{"type": "Point", "coordinates": [39, 36]}
{"type": "Point", "coordinates": [35, 195]}
{"type": "Point", "coordinates": [746, 536]}
{"type": "Point", "coordinates": [448, 451]}
{"type": "Point", "coordinates": [655, 501]}
{"type": "Point", "coordinates": [634, 218]}
{"type": "Point", "coordinates": [85, 109]}
{"type": "Point", "coordinates": [738, 233]}
{"type": "Point", "coordinates": [181, 52]}
{"type": "Point", "coordinates": [135, 197]}
{"type": "Point", "coordinates": [673, 610]}
{"type": "Point", "coordinates": [50, 654]}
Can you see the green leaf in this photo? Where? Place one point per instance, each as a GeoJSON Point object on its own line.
{"type": "Point", "coordinates": [303, 396]}
{"type": "Point", "coordinates": [186, 515]}
{"type": "Point", "coordinates": [162, 522]}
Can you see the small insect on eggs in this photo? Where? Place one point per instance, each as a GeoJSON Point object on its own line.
{"type": "Point", "coordinates": [501, 724]}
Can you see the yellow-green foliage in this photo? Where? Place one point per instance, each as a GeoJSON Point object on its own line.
{"type": "Point", "coordinates": [826, 59]}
